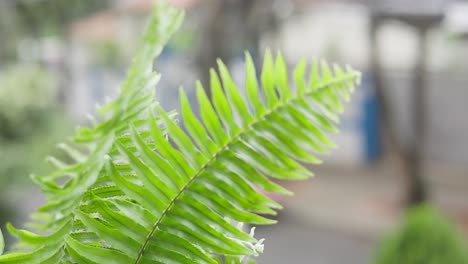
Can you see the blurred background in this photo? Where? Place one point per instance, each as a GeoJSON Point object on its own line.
{"type": "Point", "coordinates": [403, 138]}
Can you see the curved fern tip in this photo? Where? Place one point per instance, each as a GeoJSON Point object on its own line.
{"type": "Point", "coordinates": [259, 246]}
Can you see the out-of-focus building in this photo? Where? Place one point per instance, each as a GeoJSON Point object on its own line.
{"type": "Point", "coordinates": [340, 31]}
{"type": "Point", "coordinates": [101, 47]}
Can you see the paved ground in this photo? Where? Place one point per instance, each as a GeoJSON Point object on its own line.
{"type": "Point", "coordinates": [340, 215]}
{"type": "Point", "coordinates": [368, 201]}
{"type": "Point", "coordinates": [294, 242]}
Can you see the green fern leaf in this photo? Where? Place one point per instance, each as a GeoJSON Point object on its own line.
{"type": "Point", "coordinates": [85, 178]}
{"type": "Point", "coordinates": [151, 192]}
{"type": "Point", "coordinates": [186, 191]}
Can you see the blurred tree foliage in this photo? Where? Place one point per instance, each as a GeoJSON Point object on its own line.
{"type": "Point", "coordinates": [30, 127]}
{"type": "Point", "coordinates": [45, 17]}
{"type": "Point", "coordinates": [36, 18]}
{"type": "Point", "coordinates": [26, 94]}
{"type": "Point", "coordinates": [29, 121]}
{"type": "Point", "coordinates": [107, 53]}
{"type": "Point", "coordinates": [425, 237]}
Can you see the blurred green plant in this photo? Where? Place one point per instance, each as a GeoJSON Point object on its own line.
{"type": "Point", "coordinates": [30, 126]}
{"type": "Point", "coordinates": [29, 121]}
{"type": "Point", "coordinates": [426, 237]}
{"type": "Point", "coordinates": [26, 94]}
{"type": "Point", "coordinates": [19, 158]}
{"type": "Point", "coordinates": [39, 18]}
{"type": "Point", "coordinates": [107, 53]}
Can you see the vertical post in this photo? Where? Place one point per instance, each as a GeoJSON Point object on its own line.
{"type": "Point", "coordinates": [386, 122]}
{"type": "Point", "coordinates": [231, 26]}
{"type": "Point", "coordinates": [417, 185]}
{"type": "Point", "coordinates": [411, 157]}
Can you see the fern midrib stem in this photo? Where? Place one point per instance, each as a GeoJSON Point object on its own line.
{"type": "Point", "coordinates": [233, 140]}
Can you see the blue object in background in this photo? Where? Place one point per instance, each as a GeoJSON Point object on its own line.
{"type": "Point", "coordinates": [370, 120]}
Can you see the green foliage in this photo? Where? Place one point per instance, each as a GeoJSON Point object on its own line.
{"type": "Point", "coordinates": [29, 129]}
{"type": "Point", "coordinates": [425, 237]}
{"type": "Point", "coordinates": [29, 125]}
{"type": "Point", "coordinates": [107, 53]}
{"type": "Point", "coordinates": [50, 17]}
{"type": "Point", "coordinates": [30, 19]}
{"type": "Point", "coordinates": [25, 98]}
{"type": "Point", "coordinates": [23, 155]}
{"type": "Point", "coordinates": [146, 191]}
